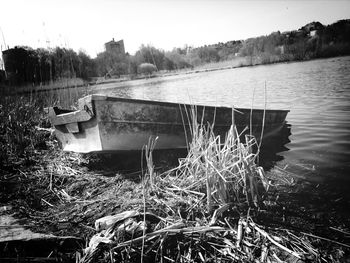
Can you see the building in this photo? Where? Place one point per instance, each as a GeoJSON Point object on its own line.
{"type": "Point", "coordinates": [23, 66]}
{"type": "Point", "coordinates": [18, 65]}
{"type": "Point", "coordinates": [313, 33]}
{"type": "Point", "coordinates": [280, 49]}
{"type": "Point", "coordinates": [115, 47]}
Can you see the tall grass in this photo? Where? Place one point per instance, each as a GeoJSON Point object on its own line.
{"type": "Point", "coordinates": [22, 114]}
{"type": "Point", "coordinates": [224, 169]}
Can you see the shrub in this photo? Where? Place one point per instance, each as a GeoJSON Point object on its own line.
{"type": "Point", "coordinates": [146, 68]}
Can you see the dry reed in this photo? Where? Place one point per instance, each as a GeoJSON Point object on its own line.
{"type": "Point", "coordinates": [196, 211]}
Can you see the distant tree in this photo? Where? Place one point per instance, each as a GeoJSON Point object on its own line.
{"type": "Point", "coordinates": [208, 54]}
{"type": "Point", "coordinates": [44, 68]}
{"type": "Point", "coordinates": [192, 58]}
{"type": "Point", "coordinates": [111, 63]}
{"type": "Point", "coordinates": [168, 64]}
{"type": "Point", "coordinates": [87, 66]}
{"type": "Point", "coordinates": [249, 47]}
{"type": "Point", "coordinates": [178, 59]}
{"type": "Point", "coordinates": [132, 64]}
{"type": "Point", "coordinates": [66, 63]}
{"type": "Point", "coordinates": [152, 55]}
{"type": "Point", "coordinates": [229, 50]}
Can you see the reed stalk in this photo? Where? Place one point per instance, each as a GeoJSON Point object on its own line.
{"type": "Point", "coordinates": [225, 167]}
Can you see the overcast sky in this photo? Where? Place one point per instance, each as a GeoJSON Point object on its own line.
{"type": "Point", "coordinates": [88, 24]}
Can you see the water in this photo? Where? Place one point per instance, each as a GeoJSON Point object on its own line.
{"type": "Point", "coordinates": [317, 93]}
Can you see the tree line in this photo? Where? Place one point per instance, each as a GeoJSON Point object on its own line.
{"type": "Point", "coordinates": [313, 40]}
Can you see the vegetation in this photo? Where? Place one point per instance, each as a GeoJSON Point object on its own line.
{"type": "Point", "coordinates": [313, 40]}
{"type": "Point", "coordinates": [146, 68]}
{"type": "Point", "coordinates": [110, 64]}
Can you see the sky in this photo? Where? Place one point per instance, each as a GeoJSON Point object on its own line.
{"type": "Point", "coordinates": [88, 24]}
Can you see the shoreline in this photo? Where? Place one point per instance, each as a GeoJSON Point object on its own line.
{"type": "Point", "coordinates": [111, 84]}
{"type": "Point", "coordinates": [141, 80]}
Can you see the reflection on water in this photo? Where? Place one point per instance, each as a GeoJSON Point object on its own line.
{"type": "Point", "coordinates": [273, 146]}
{"type": "Point", "coordinates": [132, 161]}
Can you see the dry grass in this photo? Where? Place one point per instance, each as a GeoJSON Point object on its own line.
{"type": "Point", "coordinates": [200, 211]}
{"type": "Point", "coordinates": [21, 115]}
{"type": "Point", "coordinates": [226, 170]}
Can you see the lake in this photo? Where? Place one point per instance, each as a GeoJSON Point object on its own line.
{"type": "Point", "coordinates": [316, 92]}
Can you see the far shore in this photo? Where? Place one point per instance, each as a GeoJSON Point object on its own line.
{"type": "Point", "coordinates": [139, 80]}
{"type": "Point", "coordinates": [173, 75]}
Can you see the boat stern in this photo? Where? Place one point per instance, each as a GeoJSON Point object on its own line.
{"type": "Point", "coordinates": [78, 130]}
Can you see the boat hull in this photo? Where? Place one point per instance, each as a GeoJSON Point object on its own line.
{"type": "Point", "coordinates": [110, 124]}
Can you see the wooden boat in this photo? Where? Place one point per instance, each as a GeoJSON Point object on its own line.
{"type": "Point", "coordinates": [111, 124]}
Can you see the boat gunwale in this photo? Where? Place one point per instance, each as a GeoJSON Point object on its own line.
{"type": "Point", "coordinates": [187, 124]}
{"type": "Point", "coordinates": [99, 97]}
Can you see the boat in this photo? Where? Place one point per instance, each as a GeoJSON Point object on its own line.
{"type": "Point", "coordinates": [113, 124]}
